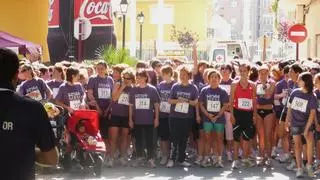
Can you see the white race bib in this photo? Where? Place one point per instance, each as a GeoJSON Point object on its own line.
{"type": "Point", "coordinates": [142, 103]}
{"type": "Point", "coordinates": [38, 97]}
{"type": "Point", "coordinates": [299, 104]}
{"type": "Point", "coordinates": [124, 99]}
{"type": "Point", "coordinates": [276, 102]}
{"type": "Point", "coordinates": [245, 103]}
{"type": "Point", "coordinates": [75, 104]}
{"type": "Point", "coordinates": [55, 92]}
{"type": "Point", "coordinates": [104, 93]}
{"type": "Point", "coordinates": [226, 87]}
{"type": "Point", "coordinates": [182, 108]}
{"type": "Point", "coordinates": [260, 90]}
{"type": "Point", "coordinates": [213, 106]}
{"type": "Point", "coordinates": [165, 107]}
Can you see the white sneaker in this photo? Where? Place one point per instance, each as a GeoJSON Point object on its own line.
{"type": "Point", "coordinates": [164, 160]}
{"type": "Point", "coordinates": [205, 162]}
{"type": "Point", "coordinates": [284, 158]}
{"type": "Point", "coordinates": [236, 164]}
{"type": "Point", "coordinates": [309, 171]}
{"type": "Point", "coordinates": [185, 164]}
{"type": "Point", "coordinates": [229, 156]}
{"type": "Point", "coordinates": [248, 163]}
{"type": "Point", "coordinates": [299, 173]}
{"type": "Point", "coordinates": [170, 164]}
{"type": "Point", "coordinates": [219, 164]}
{"type": "Point", "coordinates": [198, 160]}
{"type": "Point", "coordinates": [274, 152]}
{"type": "Point", "coordinates": [292, 165]}
{"type": "Point", "coordinates": [268, 162]}
{"type": "Point", "coordinates": [151, 163]}
{"type": "Point", "coordinates": [214, 160]}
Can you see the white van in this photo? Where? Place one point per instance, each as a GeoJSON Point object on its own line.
{"type": "Point", "coordinates": [225, 51]}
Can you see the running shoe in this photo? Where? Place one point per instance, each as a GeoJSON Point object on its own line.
{"type": "Point", "coordinates": [299, 173]}
{"type": "Point", "coordinates": [170, 164]}
{"type": "Point", "coordinates": [236, 164]}
{"type": "Point", "coordinates": [248, 163]}
{"type": "Point", "coordinates": [198, 160]}
{"type": "Point", "coordinates": [292, 165]}
{"type": "Point", "coordinates": [151, 163]}
{"type": "Point", "coordinates": [229, 156]}
{"type": "Point", "coordinates": [205, 162]}
{"type": "Point", "coordinates": [164, 160]}
{"type": "Point", "coordinates": [284, 158]}
{"type": "Point", "coordinates": [185, 164]}
{"type": "Point", "coordinates": [309, 171]}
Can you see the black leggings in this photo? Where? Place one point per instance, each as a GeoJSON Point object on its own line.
{"type": "Point", "coordinates": [179, 132]}
{"type": "Point", "coordinates": [145, 136]}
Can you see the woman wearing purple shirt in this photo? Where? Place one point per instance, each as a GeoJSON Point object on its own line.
{"type": "Point", "coordinates": [144, 117]}
{"type": "Point", "coordinates": [266, 117]}
{"type": "Point", "coordinates": [119, 121]}
{"type": "Point", "coordinates": [99, 95]}
{"type": "Point", "coordinates": [164, 89]}
{"type": "Point", "coordinates": [183, 100]}
{"type": "Point", "coordinates": [226, 81]}
{"type": "Point", "coordinates": [71, 94]}
{"type": "Point", "coordinates": [213, 103]}
{"type": "Point", "coordinates": [300, 117]}
{"type": "Point", "coordinates": [58, 78]}
{"type": "Point", "coordinates": [33, 87]}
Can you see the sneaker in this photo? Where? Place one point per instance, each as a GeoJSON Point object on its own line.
{"type": "Point", "coordinates": [185, 164]}
{"type": "Point", "coordinates": [198, 160]}
{"type": "Point", "coordinates": [236, 164]}
{"type": "Point", "coordinates": [214, 161]}
{"type": "Point", "coordinates": [261, 161]}
{"type": "Point", "coordinates": [285, 158]}
{"type": "Point", "coordinates": [299, 173]}
{"type": "Point", "coordinates": [229, 156]}
{"type": "Point", "coordinates": [110, 163]}
{"type": "Point", "coordinates": [316, 164]}
{"type": "Point", "coordinates": [248, 163]}
{"type": "Point", "coordinates": [274, 152]}
{"type": "Point", "coordinates": [219, 164]}
{"type": "Point", "coordinates": [170, 164]}
{"type": "Point", "coordinates": [123, 161]}
{"type": "Point", "coordinates": [205, 162]}
{"type": "Point", "coordinates": [268, 162]}
{"type": "Point", "coordinates": [151, 163]}
{"type": "Point", "coordinates": [292, 165]}
{"type": "Point", "coordinates": [164, 160]}
{"type": "Point", "coordinates": [309, 171]}
{"type": "Point", "coordinates": [137, 162]}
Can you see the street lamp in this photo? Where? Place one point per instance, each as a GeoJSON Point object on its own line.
{"type": "Point", "coordinates": [124, 10]}
{"type": "Point", "coordinates": [140, 19]}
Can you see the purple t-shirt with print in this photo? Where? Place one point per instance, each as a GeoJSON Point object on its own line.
{"type": "Point", "coordinates": [34, 85]}
{"type": "Point", "coordinates": [54, 86]}
{"type": "Point", "coordinates": [70, 94]}
{"type": "Point", "coordinates": [281, 86]}
{"type": "Point", "coordinates": [121, 106]}
{"type": "Point", "coordinates": [213, 100]}
{"type": "Point", "coordinates": [185, 110]}
{"type": "Point", "coordinates": [102, 90]}
{"type": "Point", "coordinates": [301, 103]}
{"type": "Point", "coordinates": [143, 100]}
{"type": "Point", "coordinates": [291, 86]}
{"type": "Point", "coordinates": [164, 90]}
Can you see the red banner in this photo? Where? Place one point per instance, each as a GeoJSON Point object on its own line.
{"type": "Point", "coordinates": [99, 12]}
{"type": "Point", "coordinates": [53, 20]}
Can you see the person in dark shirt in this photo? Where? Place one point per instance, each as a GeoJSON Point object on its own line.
{"type": "Point", "coordinates": [24, 125]}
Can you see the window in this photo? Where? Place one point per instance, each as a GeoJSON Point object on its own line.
{"type": "Point", "coordinates": [234, 3]}
{"type": "Point", "coordinates": [210, 33]}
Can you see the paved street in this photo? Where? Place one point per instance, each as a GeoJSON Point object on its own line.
{"type": "Point", "coordinates": [278, 172]}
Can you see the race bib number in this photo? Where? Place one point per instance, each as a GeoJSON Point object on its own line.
{"type": "Point", "coordinates": [38, 96]}
{"type": "Point", "coordinates": [123, 99]}
{"type": "Point", "coordinates": [299, 104]}
{"type": "Point", "coordinates": [104, 93]}
{"type": "Point", "coordinates": [55, 92]}
{"type": "Point", "coordinates": [182, 108]}
{"type": "Point", "coordinates": [75, 104]}
{"type": "Point", "coordinates": [213, 106]}
{"type": "Point", "coordinates": [276, 102]}
{"type": "Point", "coordinates": [165, 107]}
{"type": "Point", "coordinates": [260, 89]}
{"type": "Point", "coordinates": [226, 88]}
{"type": "Point", "coordinates": [142, 103]}
{"type": "Point", "coordinates": [245, 103]}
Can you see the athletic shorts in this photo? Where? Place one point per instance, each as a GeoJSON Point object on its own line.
{"type": "Point", "coordinates": [244, 126]}
{"type": "Point", "coordinates": [209, 127]}
{"type": "Point", "coordinates": [228, 127]}
{"type": "Point", "coordinates": [264, 112]}
{"type": "Point", "coordinates": [163, 129]}
{"type": "Point", "coordinates": [118, 121]}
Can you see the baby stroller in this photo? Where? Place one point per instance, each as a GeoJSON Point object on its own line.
{"type": "Point", "coordinates": [87, 152]}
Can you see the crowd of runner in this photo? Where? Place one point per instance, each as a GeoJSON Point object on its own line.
{"type": "Point", "coordinates": [243, 112]}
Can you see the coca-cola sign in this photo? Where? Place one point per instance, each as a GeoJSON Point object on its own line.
{"type": "Point", "coordinates": [97, 11]}
{"type": "Point", "coordinates": [53, 14]}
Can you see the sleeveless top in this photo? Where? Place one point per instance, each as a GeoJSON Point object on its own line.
{"type": "Point", "coordinates": [243, 98]}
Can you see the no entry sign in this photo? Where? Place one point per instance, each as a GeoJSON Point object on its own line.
{"type": "Point", "coordinates": [297, 33]}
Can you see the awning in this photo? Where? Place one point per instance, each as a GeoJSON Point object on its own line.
{"type": "Point", "coordinates": [25, 47]}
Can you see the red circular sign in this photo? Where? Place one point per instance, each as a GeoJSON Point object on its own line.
{"type": "Point", "coordinates": [297, 33]}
